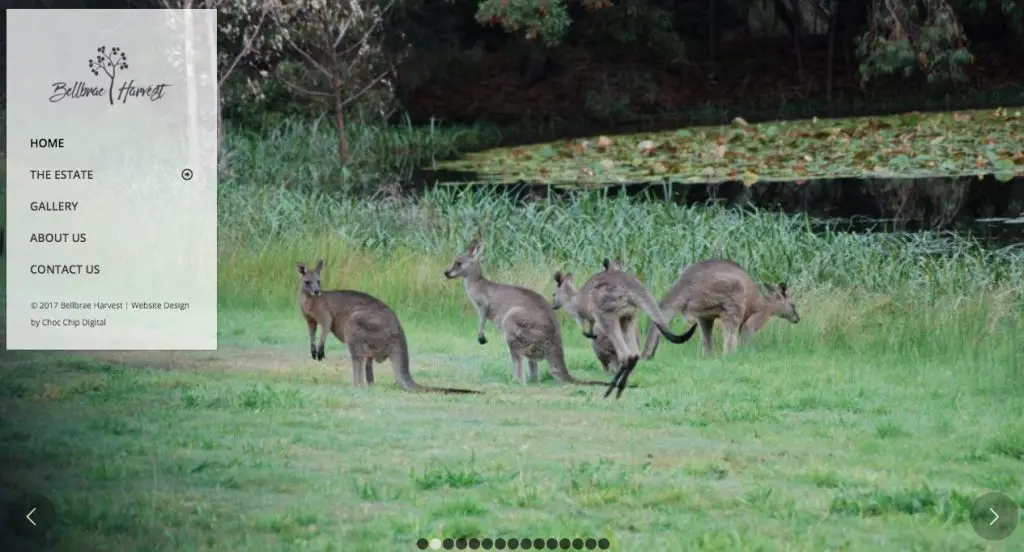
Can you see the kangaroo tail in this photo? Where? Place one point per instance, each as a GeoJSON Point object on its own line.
{"type": "Point", "coordinates": [404, 377]}
{"type": "Point", "coordinates": [561, 373]}
{"type": "Point", "coordinates": [646, 302]}
{"type": "Point", "coordinates": [450, 390]}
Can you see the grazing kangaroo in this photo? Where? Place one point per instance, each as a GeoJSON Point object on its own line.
{"type": "Point", "coordinates": [608, 302]}
{"type": "Point", "coordinates": [524, 318]}
{"type": "Point", "coordinates": [719, 288]}
{"type": "Point", "coordinates": [368, 326]}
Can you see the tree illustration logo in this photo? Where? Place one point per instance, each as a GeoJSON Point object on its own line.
{"type": "Point", "coordinates": [110, 63]}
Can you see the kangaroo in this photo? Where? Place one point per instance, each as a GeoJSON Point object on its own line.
{"type": "Point", "coordinates": [608, 303]}
{"type": "Point", "coordinates": [525, 319]}
{"type": "Point", "coordinates": [602, 345]}
{"type": "Point", "coordinates": [720, 288]}
{"type": "Point", "coordinates": [369, 327]}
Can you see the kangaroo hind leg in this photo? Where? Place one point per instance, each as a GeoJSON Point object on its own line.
{"type": "Point", "coordinates": [359, 362]}
{"type": "Point", "coordinates": [625, 355]}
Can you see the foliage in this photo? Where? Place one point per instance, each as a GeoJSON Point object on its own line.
{"type": "Point", "coordinates": [544, 20]}
{"type": "Point", "coordinates": [641, 22]}
{"type": "Point", "coordinates": [625, 23]}
{"type": "Point", "coordinates": [913, 38]}
{"type": "Point", "coordinates": [912, 144]}
{"type": "Point", "coordinates": [339, 40]}
{"type": "Point", "coordinates": [246, 44]}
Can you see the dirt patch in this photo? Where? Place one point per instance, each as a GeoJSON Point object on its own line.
{"type": "Point", "coordinates": [252, 359]}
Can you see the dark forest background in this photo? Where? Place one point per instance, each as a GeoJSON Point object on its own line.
{"type": "Point", "coordinates": [599, 63]}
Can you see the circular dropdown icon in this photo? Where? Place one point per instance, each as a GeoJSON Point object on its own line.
{"type": "Point", "coordinates": [187, 174]}
{"type": "Point", "coordinates": [994, 516]}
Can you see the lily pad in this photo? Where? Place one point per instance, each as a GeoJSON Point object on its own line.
{"type": "Point", "coordinates": [910, 145]}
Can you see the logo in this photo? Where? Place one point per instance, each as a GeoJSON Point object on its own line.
{"type": "Point", "coordinates": [108, 64]}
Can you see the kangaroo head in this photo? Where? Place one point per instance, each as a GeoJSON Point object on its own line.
{"type": "Point", "coordinates": [466, 263]}
{"type": "Point", "coordinates": [564, 290]}
{"type": "Point", "coordinates": [782, 303]}
{"type": "Point", "coordinates": [309, 279]}
{"type": "Point", "coordinates": [612, 264]}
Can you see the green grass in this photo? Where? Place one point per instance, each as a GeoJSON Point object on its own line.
{"type": "Point", "coordinates": [870, 425]}
{"type": "Point", "coordinates": [784, 446]}
{"type": "Point", "coordinates": [911, 145]}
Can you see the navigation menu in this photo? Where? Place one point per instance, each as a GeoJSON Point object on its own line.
{"type": "Point", "coordinates": [108, 246]}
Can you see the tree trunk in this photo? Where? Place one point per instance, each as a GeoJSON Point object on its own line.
{"type": "Point", "coordinates": [191, 98]}
{"type": "Point", "coordinates": [711, 32]}
{"type": "Point", "coordinates": [798, 29]}
{"type": "Point", "coordinates": [833, 10]}
{"type": "Point", "coordinates": [212, 31]}
{"type": "Point", "coordinates": [339, 119]}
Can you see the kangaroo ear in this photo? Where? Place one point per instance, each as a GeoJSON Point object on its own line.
{"type": "Point", "coordinates": [606, 263]}
{"type": "Point", "coordinates": [301, 267]}
{"type": "Point", "coordinates": [567, 277]}
{"type": "Point", "coordinates": [319, 265]}
{"type": "Point", "coordinates": [558, 278]}
{"type": "Point", "coordinates": [476, 248]}
{"type": "Point", "coordinates": [783, 288]}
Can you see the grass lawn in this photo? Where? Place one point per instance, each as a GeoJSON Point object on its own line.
{"type": "Point", "coordinates": [873, 424]}
{"type": "Point", "coordinates": [784, 446]}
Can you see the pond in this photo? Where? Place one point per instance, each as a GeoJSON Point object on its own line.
{"type": "Point", "coordinates": [910, 172]}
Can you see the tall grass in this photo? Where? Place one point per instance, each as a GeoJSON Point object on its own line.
{"type": "Point", "coordinates": [656, 240]}
{"type": "Point", "coordinates": [289, 152]}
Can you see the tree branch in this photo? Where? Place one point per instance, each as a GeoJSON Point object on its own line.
{"type": "Point", "coordinates": [365, 89]}
{"type": "Point", "coordinates": [305, 55]}
{"type": "Point", "coordinates": [246, 44]}
{"type": "Point", "coordinates": [366, 36]}
{"type": "Point", "coordinates": [301, 90]}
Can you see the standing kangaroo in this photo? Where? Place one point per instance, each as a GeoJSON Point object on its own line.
{"type": "Point", "coordinates": [524, 318]}
{"type": "Point", "coordinates": [368, 326]}
{"type": "Point", "coordinates": [608, 302]}
{"type": "Point", "coordinates": [720, 288]}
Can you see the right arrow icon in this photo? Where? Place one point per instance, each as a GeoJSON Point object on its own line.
{"type": "Point", "coordinates": [995, 518]}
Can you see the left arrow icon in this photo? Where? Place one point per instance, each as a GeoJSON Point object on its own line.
{"type": "Point", "coordinates": [31, 515]}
